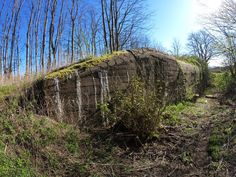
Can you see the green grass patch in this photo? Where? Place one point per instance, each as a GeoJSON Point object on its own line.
{"type": "Point", "coordinates": [219, 137]}
{"type": "Point", "coordinates": [72, 141]}
{"type": "Point", "coordinates": [14, 88]}
{"type": "Point", "coordinates": [172, 112]}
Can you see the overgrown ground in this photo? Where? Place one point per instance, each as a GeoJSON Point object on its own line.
{"type": "Point", "coordinates": [196, 139]}
{"type": "Point", "coordinates": [202, 143]}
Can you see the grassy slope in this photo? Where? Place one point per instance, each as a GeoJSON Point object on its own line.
{"type": "Point", "coordinates": [31, 145]}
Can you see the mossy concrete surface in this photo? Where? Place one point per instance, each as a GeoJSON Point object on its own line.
{"type": "Point", "coordinates": [83, 64]}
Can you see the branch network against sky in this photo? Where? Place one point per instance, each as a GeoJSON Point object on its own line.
{"type": "Point", "coordinates": [175, 19]}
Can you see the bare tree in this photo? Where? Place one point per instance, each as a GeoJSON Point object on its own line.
{"type": "Point", "coordinates": [2, 7]}
{"type": "Point", "coordinates": [28, 34]}
{"type": "Point", "coordinates": [222, 26]}
{"type": "Point", "coordinates": [43, 45]}
{"type": "Point", "coordinates": [94, 29]}
{"type": "Point", "coordinates": [120, 20]}
{"type": "Point", "coordinates": [59, 31]}
{"type": "Point", "coordinates": [36, 31]}
{"type": "Point", "coordinates": [18, 58]}
{"type": "Point", "coordinates": [53, 8]}
{"type": "Point", "coordinates": [3, 3]}
{"type": "Point", "coordinates": [7, 25]}
{"type": "Point", "coordinates": [87, 30]}
{"type": "Point", "coordinates": [176, 48]}
{"type": "Point", "coordinates": [17, 8]}
{"type": "Point", "coordinates": [103, 4]}
{"type": "Point", "coordinates": [202, 45]}
{"type": "Point", "coordinates": [73, 16]}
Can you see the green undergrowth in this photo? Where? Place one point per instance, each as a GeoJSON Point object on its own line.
{"type": "Point", "coordinates": [220, 139]}
{"type": "Point", "coordinates": [14, 166]}
{"type": "Point", "coordinates": [171, 115]}
{"type": "Point", "coordinates": [83, 64]}
{"type": "Point", "coordinates": [221, 81]}
{"type": "Point", "coordinates": [32, 145]}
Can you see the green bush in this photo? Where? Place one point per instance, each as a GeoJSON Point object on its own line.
{"type": "Point", "coordinates": [138, 109]}
{"type": "Point", "coordinates": [221, 81]}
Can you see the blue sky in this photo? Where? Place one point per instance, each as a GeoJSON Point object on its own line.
{"type": "Point", "coordinates": [170, 20]}
{"type": "Point", "coordinates": [175, 19]}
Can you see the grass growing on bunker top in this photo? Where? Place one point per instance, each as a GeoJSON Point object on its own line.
{"type": "Point", "coordinates": [190, 59]}
{"type": "Point", "coordinates": [83, 64]}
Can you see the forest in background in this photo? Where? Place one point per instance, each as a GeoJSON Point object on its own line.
{"type": "Point", "coordinates": [37, 36]}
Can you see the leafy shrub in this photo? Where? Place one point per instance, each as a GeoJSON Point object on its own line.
{"type": "Point", "coordinates": [222, 81]}
{"type": "Point", "coordinates": [47, 136]}
{"type": "Point", "coordinates": [138, 109]}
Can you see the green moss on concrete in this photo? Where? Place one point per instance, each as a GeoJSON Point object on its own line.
{"type": "Point", "coordinates": [83, 64]}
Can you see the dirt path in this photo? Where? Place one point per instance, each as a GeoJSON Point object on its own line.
{"type": "Point", "coordinates": [197, 127]}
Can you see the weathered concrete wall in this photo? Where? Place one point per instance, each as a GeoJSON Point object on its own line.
{"type": "Point", "coordinates": [75, 97]}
